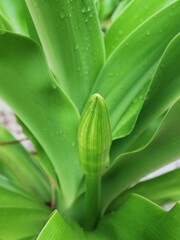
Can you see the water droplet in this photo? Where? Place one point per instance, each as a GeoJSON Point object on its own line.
{"type": "Point", "coordinates": [83, 10]}
{"type": "Point", "coordinates": [53, 86]}
{"type": "Point", "coordinates": [73, 144]}
{"type": "Point", "coordinates": [148, 33]}
{"type": "Point", "coordinates": [62, 16]}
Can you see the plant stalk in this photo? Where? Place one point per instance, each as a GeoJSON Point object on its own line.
{"type": "Point", "coordinates": [92, 202]}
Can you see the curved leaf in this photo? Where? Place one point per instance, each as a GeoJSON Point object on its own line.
{"type": "Point", "coordinates": [164, 91]}
{"type": "Point", "coordinates": [59, 228]}
{"type": "Point", "coordinates": [124, 25]}
{"type": "Point", "coordinates": [133, 221]}
{"type": "Point", "coordinates": [166, 228]}
{"type": "Point", "coordinates": [13, 197]}
{"type": "Point", "coordinates": [42, 157]}
{"type": "Point", "coordinates": [162, 189]}
{"type": "Point", "coordinates": [20, 215]}
{"type": "Point", "coordinates": [4, 23]}
{"type": "Point", "coordinates": [123, 81]}
{"type": "Point", "coordinates": [71, 37]}
{"type": "Point", "coordinates": [25, 171]}
{"type": "Point", "coordinates": [20, 223]}
{"type": "Point", "coordinates": [28, 87]}
{"type": "Point", "coordinates": [130, 168]}
{"type": "Point", "coordinates": [19, 17]}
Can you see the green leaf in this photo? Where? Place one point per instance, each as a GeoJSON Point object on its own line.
{"type": "Point", "coordinates": [60, 228]}
{"type": "Point", "coordinates": [166, 228]}
{"type": "Point", "coordinates": [160, 98]}
{"type": "Point", "coordinates": [28, 87]}
{"type": "Point", "coordinates": [120, 8]}
{"type": "Point", "coordinates": [137, 213]}
{"type": "Point", "coordinates": [42, 157]}
{"type": "Point", "coordinates": [126, 77]}
{"type": "Point", "coordinates": [20, 215]}
{"type": "Point", "coordinates": [162, 189]}
{"type": "Point", "coordinates": [20, 223]}
{"type": "Point", "coordinates": [14, 197]}
{"type": "Point", "coordinates": [130, 221]}
{"type": "Point", "coordinates": [25, 171]}
{"type": "Point", "coordinates": [72, 40]}
{"type": "Point", "coordinates": [4, 23]}
{"type": "Point", "coordinates": [18, 15]}
{"type": "Point", "coordinates": [140, 11]}
{"type": "Point", "coordinates": [162, 150]}
{"type": "Point", "coordinates": [106, 7]}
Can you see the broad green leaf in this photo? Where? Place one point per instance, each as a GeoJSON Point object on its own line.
{"type": "Point", "coordinates": [17, 223]}
{"type": "Point", "coordinates": [124, 25]}
{"type": "Point", "coordinates": [130, 168]}
{"type": "Point", "coordinates": [162, 189]}
{"type": "Point", "coordinates": [28, 87]}
{"type": "Point", "coordinates": [127, 79]}
{"type": "Point", "coordinates": [24, 169]}
{"type": "Point", "coordinates": [42, 157]}
{"type": "Point", "coordinates": [60, 228]}
{"type": "Point", "coordinates": [164, 91]}
{"type": "Point", "coordinates": [21, 215]}
{"type": "Point", "coordinates": [130, 221]}
{"type": "Point", "coordinates": [137, 214]}
{"type": "Point", "coordinates": [14, 197]}
{"type": "Point", "coordinates": [166, 228]}
{"type": "Point", "coordinates": [72, 40]}
{"type": "Point", "coordinates": [19, 17]}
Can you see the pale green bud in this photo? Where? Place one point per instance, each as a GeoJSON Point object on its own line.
{"type": "Point", "coordinates": [94, 137]}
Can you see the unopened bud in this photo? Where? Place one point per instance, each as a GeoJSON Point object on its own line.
{"type": "Point", "coordinates": [94, 137]}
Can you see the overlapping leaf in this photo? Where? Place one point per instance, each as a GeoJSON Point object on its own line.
{"type": "Point", "coordinates": [19, 17]}
{"type": "Point", "coordinates": [132, 167]}
{"type": "Point", "coordinates": [20, 215]}
{"type": "Point", "coordinates": [28, 87]}
{"type": "Point", "coordinates": [124, 25]}
{"type": "Point", "coordinates": [24, 170]}
{"type": "Point", "coordinates": [162, 189]}
{"type": "Point", "coordinates": [142, 214]}
{"type": "Point", "coordinates": [164, 91]}
{"type": "Point", "coordinates": [125, 78]}
{"type": "Point", "coordinates": [71, 38]}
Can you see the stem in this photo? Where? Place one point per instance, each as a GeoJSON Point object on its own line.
{"type": "Point", "coordinates": [92, 207]}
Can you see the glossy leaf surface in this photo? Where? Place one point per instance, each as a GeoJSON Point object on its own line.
{"type": "Point", "coordinates": [72, 40]}
{"type": "Point", "coordinates": [47, 112]}
{"type": "Point", "coordinates": [126, 77]}
{"type": "Point", "coordinates": [162, 150]}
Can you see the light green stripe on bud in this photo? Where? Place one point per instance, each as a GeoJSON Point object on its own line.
{"type": "Point", "coordinates": [94, 137]}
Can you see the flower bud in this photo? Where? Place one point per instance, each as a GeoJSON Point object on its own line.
{"type": "Point", "coordinates": [94, 137]}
